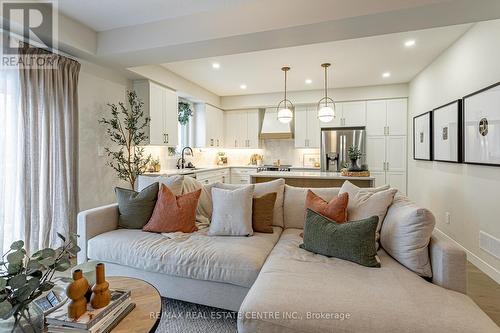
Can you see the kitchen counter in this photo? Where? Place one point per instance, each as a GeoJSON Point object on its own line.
{"type": "Point", "coordinates": [311, 178]}
{"type": "Point", "coordinates": [171, 172]}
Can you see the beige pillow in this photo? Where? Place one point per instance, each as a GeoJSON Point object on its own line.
{"type": "Point", "coordinates": [262, 189]}
{"type": "Point", "coordinates": [232, 212]}
{"type": "Point", "coordinates": [174, 183]}
{"type": "Point", "coordinates": [406, 233]}
{"type": "Point", "coordinates": [368, 202]}
{"type": "Point", "coordinates": [294, 205]}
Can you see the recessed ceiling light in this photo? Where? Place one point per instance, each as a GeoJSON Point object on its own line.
{"type": "Point", "coordinates": [386, 74]}
{"type": "Point", "coordinates": [215, 65]}
{"type": "Point", "coordinates": [308, 81]}
{"type": "Point", "coordinates": [410, 43]}
{"type": "Point", "coordinates": [243, 86]}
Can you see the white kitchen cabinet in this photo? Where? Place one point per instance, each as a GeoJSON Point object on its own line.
{"type": "Point", "coordinates": [396, 153]}
{"type": "Point", "coordinates": [397, 180]}
{"type": "Point", "coordinates": [307, 127]}
{"type": "Point", "coordinates": [160, 105]}
{"type": "Point", "coordinates": [386, 117]}
{"type": "Point", "coordinates": [209, 126]}
{"type": "Point", "coordinates": [242, 128]}
{"type": "Point", "coordinates": [348, 114]}
{"type": "Point", "coordinates": [386, 158]}
{"type": "Point", "coordinates": [375, 152]}
{"type": "Point", "coordinates": [213, 176]}
{"type": "Point", "coordinates": [241, 175]}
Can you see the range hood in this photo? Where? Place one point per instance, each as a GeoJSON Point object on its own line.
{"type": "Point", "coordinates": [272, 128]}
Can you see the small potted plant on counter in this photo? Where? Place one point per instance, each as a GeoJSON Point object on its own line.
{"type": "Point", "coordinates": [354, 155]}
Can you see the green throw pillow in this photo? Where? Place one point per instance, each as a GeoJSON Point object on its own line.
{"type": "Point", "coordinates": [353, 241]}
{"type": "Point", "coordinates": [136, 207]}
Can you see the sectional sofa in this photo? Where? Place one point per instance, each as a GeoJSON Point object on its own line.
{"type": "Point", "coordinates": [278, 287]}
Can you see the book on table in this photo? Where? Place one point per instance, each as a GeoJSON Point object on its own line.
{"type": "Point", "coordinates": [94, 320]}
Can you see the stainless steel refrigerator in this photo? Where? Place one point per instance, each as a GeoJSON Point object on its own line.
{"type": "Point", "coordinates": [335, 143]}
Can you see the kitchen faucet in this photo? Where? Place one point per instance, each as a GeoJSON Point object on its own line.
{"type": "Point", "coordinates": [181, 161]}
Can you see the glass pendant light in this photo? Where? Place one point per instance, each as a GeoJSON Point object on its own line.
{"type": "Point", "coordinates": [285, 114]}
{"type": "Point", "coordinates": [326, 105]}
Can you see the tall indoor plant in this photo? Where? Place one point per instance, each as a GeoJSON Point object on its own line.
{"type": "Point", "coordinates": [126, 128]}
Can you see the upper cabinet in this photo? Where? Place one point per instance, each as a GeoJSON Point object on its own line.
{"type": "Point", "coordinates": [386, 117]}
{"type": "Point", "coordinates": [160, 105]}
{"type": "Point", "coordinates": [242, 128]}
{"type": "Point", "coordinates": [209, 126]}
{"type": "Point", "coordinates": [307, 128]}
{"type": "Point", "coordinates": [348, 114]}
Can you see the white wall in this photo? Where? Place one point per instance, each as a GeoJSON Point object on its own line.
{"type": "Point", "coordinates": [97, 87]}
{"type": "Point", "coordinates": [470, 193]}
{"type": "Point", "coordinates": [313, 96]}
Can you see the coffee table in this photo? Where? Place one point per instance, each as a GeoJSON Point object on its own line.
{"type": "Point", "coordinates": [147, 312]}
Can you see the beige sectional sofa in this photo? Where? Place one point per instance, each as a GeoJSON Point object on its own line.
{"type": "Point", "coordinates": [278, 287]}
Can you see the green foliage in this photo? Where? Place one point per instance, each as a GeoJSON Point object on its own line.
{"type": "Point", "coordinates": [126, 128]}
{"type": "Point", "coordinates": [354, 152]}
{"type": "Point", "coordinates": [24, 278]}
{"type": "Point", "coordinates": [184, 112]}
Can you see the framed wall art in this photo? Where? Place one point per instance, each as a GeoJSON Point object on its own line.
{"type": "Point", "coordinates": [447, 132]}
{"type": "Point", "coordinates": [481, 126]}
{"type": "Point", "coordinates": [422, 137]}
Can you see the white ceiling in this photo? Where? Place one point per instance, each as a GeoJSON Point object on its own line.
{"type": "Point", "coordinates": [356, 62]}
{"type": "Point", "coordinates": [102, 15]}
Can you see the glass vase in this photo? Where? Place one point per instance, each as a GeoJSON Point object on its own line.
{"type": "Point", "coordinates": [31, 320]}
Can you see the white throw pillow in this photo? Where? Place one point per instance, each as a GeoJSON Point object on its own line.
{"type": "Point", "coordinates": [368, 202]}
{"type": "Point", "coordinates": [232, 212]}
{"type": "Point", "coordinates": [406, 233]}
{"type": "Point", "coordinates": [261, 189]}
{"type": "Point", "coordinates": [174, 183]}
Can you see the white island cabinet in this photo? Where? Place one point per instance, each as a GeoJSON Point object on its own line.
{"type": "Point", "coordinates": [160, 105]}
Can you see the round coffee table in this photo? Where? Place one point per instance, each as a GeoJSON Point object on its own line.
{"type": "Point", "coordinates": [147, 312]}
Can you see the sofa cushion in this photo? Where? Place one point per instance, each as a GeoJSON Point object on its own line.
{"type": "Point", "coordinates": [406, 234]}
{"type": "Point", "coordinates": [296, 284]}
{"type": "Point", "coordinates": [174, 213]}
{"type": "Point", "coordinates": [353, 190]}
{"type": "Point", "coordinates": [351, 241]}
{"type": "Point", "coordinates": [174, 183]}
{"type": "Point", "coordinates": [335, 209]}
{"type": "Point", "coordinates": [295, 203]}
{"type": "Point", "coordinates": [234, 260]}
{"type": "Point", "coordinates": [136, 207]}
{"type": "Point", "coordinates": [232, 214]}
{"type": "Point", "coordinates": [261, 189]}
{"type": "Point", "coordinates": [263, 212]}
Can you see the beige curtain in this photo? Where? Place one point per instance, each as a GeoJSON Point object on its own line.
{"type": "Point", "coordinates": [49, 104]}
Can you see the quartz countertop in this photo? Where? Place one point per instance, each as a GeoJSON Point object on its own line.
{"type": "Point", "coordinates": [170, 172]}
{"type": "Point", "coordinates": [306, 174]}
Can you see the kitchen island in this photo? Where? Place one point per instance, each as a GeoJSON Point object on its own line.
{"type": "Point", "coordinates": [311, 178]}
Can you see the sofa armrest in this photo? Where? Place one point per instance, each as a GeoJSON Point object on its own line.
{"type": "Point", "coordinates": [449, 264]}
{"type": "Point", "coordinates": [93, 222]}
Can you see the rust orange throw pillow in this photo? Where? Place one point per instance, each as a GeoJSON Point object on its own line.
{"type": "Point", "coordinates": [174, 213]}
{"type": "Point", "coordinates": [335, 210]}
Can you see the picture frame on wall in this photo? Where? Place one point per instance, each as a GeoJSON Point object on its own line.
{"type": "Point", "coordinates": [447, 132]}
{"type": "Point", "coordinates": [422, 137]}
{"type": "Point", "coordinates": [481, 126]}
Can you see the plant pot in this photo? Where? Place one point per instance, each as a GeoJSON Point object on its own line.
{"type": "Point", "coordinates": [355, 165]}
{"type": "Point", "coordinates": [31, 320]}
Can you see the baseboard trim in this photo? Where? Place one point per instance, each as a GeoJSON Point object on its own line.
{"type": "Point", "coordinates": [486, 268]}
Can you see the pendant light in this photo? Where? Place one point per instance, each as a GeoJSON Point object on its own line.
{"type": "Point", "coordinates": [326, 105]}
{"type": "Point", "coordinates": [285, 114]}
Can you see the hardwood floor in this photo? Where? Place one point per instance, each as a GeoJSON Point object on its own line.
{"type": "Point", "coordinates": [484, 291]}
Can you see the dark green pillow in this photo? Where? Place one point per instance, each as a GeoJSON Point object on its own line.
{"type": "Point", "coordinates": [353, 241]}
{"type": "Point", "coordinates": [136, 207]}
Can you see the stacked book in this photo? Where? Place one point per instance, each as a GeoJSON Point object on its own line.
{"type": "Point", "coordinates": [94, 320]}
